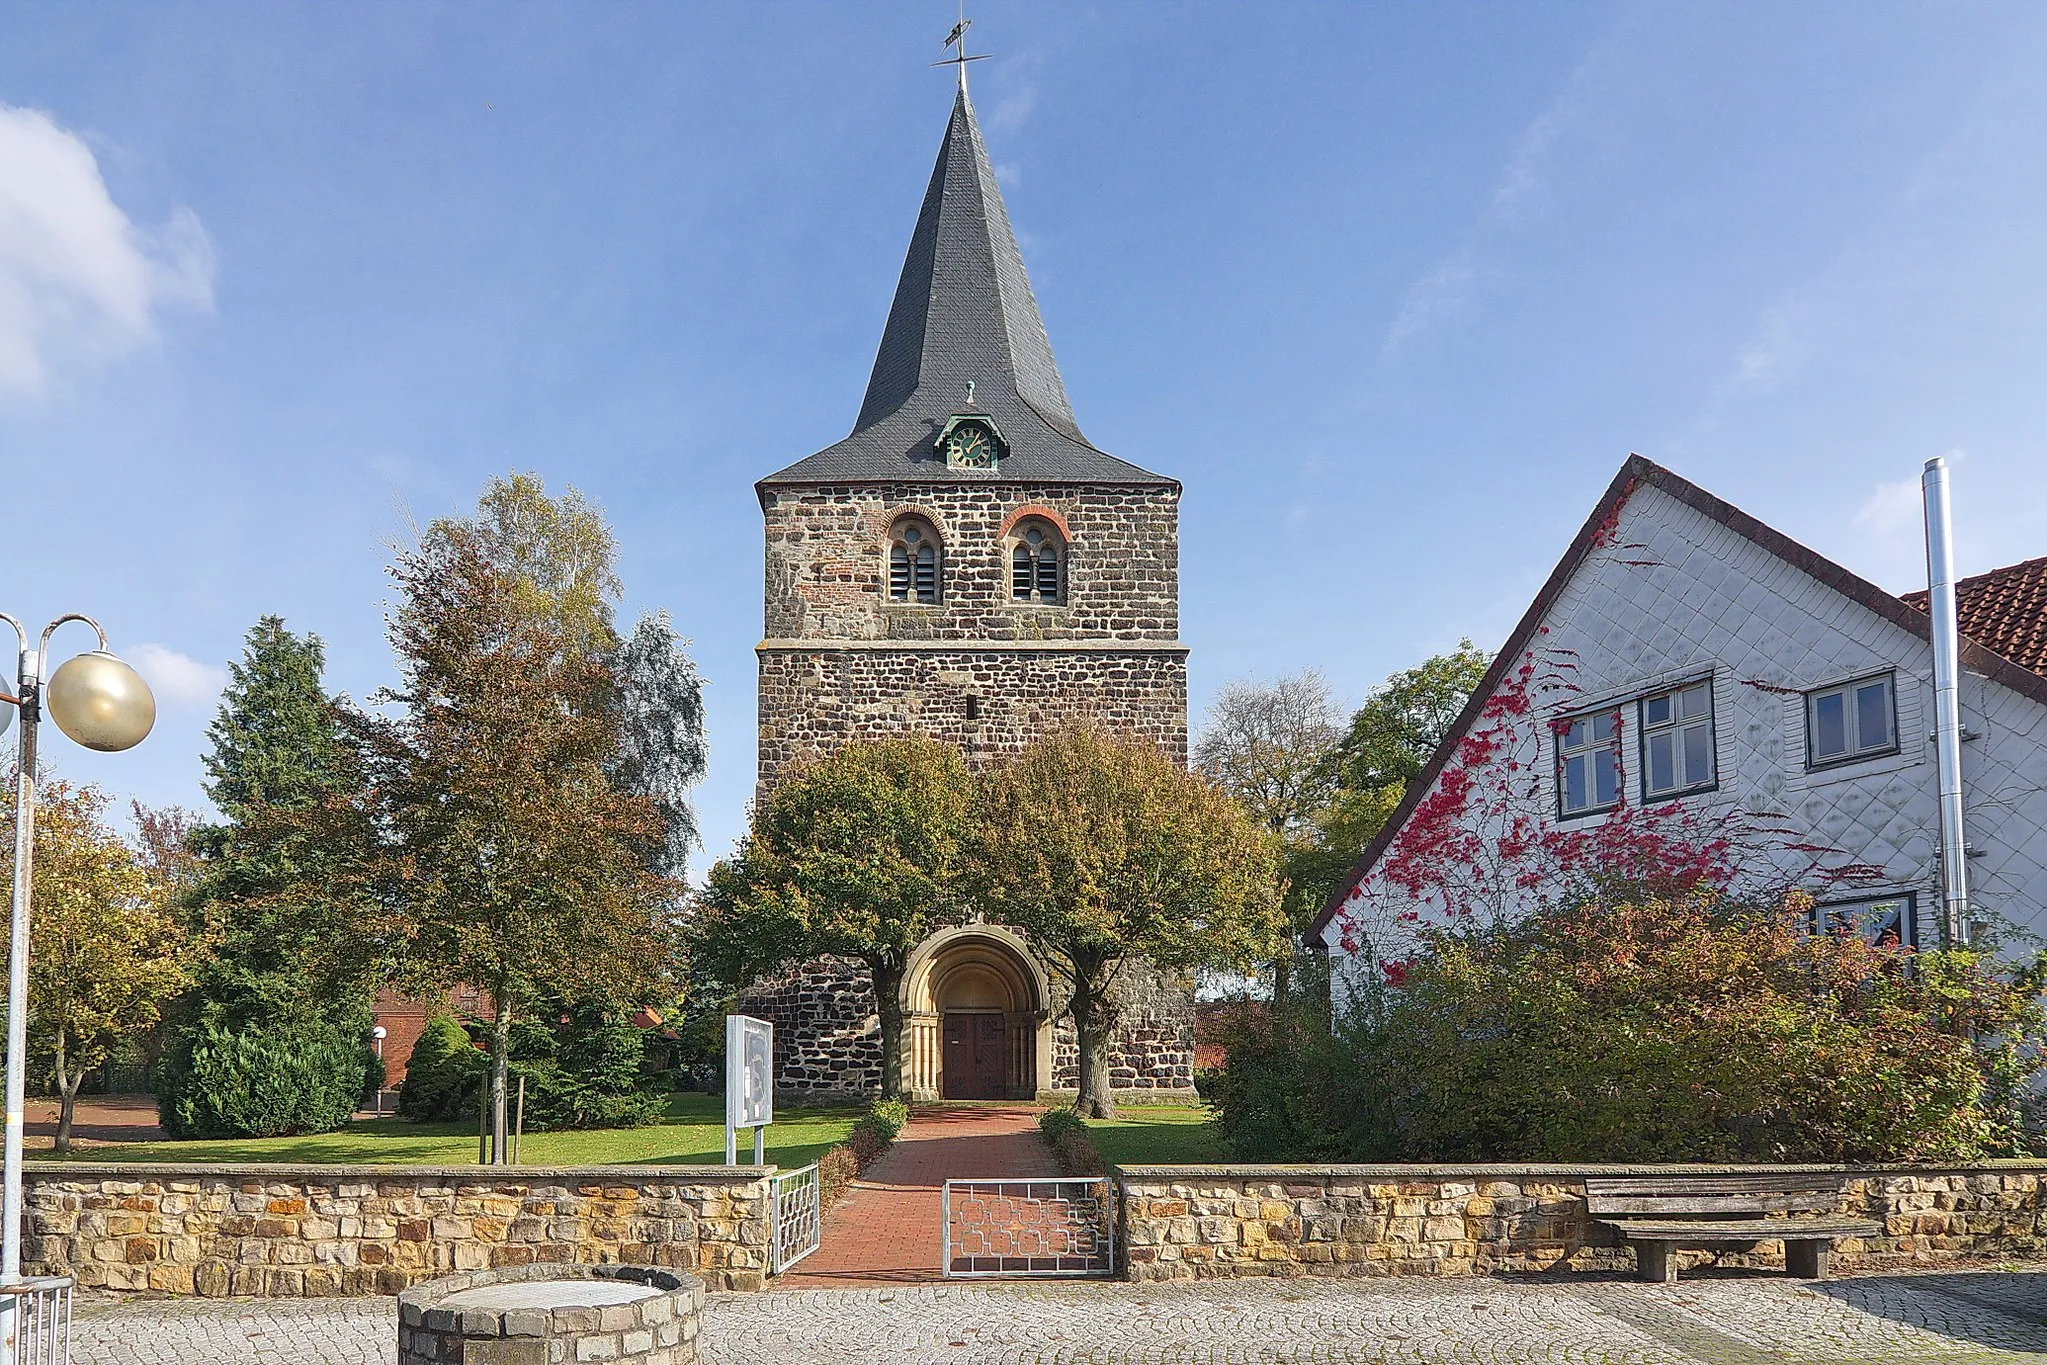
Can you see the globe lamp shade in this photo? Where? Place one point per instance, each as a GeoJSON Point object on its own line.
{"type": "Point", "coordinates": [101, 702]}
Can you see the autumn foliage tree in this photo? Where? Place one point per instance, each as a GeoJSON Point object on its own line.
{"type": "Point", "coordinates": [482, 840]}
{"type": "Point", "coordinates": [859, 854]}
{"type": "Point", "coordinates": [1108, 854]}
{"type": "Point", "coordinates": [105, 950]}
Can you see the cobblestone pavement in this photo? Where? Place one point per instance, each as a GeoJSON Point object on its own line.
{"type": "Point", "coordinates": [1981, 1318]}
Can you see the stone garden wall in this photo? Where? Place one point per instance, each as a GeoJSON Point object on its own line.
{"type": "Point", "coordinates": [1203, 1222]}
{"type": "Point", "coordinates": [287, 1231]}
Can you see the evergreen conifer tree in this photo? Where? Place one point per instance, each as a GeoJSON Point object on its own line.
{"type": "Point", "coordinates": [274, 748]}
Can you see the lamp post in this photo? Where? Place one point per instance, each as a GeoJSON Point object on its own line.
{"type": "Point", "coordinates": [103, 704]}
{"type": "Point", "coordinates": [377, 1036]}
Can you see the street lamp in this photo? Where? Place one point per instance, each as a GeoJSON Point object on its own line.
{"type": "Point", "coordinates": [103, 704]}
{"type": "Point", "coordinates": [377, 1035]}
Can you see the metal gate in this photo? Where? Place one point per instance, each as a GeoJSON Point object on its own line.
{"type": "Point", "coordinates": [1064, 1227]}
{"type": "Point", "coordinates": [797, 1225]}
{"type": "Point", "coordinates": [41, 1306]}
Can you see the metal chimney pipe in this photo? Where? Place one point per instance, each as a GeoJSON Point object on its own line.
{"type": "Point", "coordinates": [1947, 703]}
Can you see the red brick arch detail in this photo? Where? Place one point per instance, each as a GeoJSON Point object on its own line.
{"type": "Point", "coordinates": [895, 514]}
{"type": "Point", "coordinates": [1032, 509]}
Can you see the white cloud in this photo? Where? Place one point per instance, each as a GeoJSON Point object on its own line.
{"type": "Point", "coordinates": [78, 279]}
{"type": "Point", "coordinates": [1435, 297]}
{"type": "Point", "coordinates": [1775, 352]}
{"type": "Point", "coordinates": [1892, 510]}
{"type": "Point", "coordinates": [176, 679]}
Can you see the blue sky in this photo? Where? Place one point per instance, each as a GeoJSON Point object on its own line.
{"type": "Point", "coordinates": [1393, 289]}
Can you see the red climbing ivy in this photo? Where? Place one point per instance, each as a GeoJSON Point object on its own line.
{"type": "Point", "coordinates": [1484, 841]}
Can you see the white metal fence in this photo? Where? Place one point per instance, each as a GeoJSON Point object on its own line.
{"type": "Point", "coordinates": [41, 1306]}
{"type": "Point", "coordinates": [797, 1224]}
{"type": "Point", "coordinates": [1064, 1227]}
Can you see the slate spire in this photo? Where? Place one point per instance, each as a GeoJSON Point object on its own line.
{"type": "Point", "coordinates": [963, 308]}
{"type": "Point", "coordinates": [964, 314]}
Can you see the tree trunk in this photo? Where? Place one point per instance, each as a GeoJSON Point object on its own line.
{"type": "Point", "coordinates": [1093, 1019]}
{"type": "Point", "coordinates": [67, 1096]}
{"type": "Point", "coordinates": [500, 1066]}
{"type": "Point", "coordinates": [888, 1008]}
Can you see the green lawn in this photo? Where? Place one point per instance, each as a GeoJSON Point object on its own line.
{"type": "Point", "coordinates": [1157, 1135]}
{"type": "Point", "coordinates": [691, 1132]}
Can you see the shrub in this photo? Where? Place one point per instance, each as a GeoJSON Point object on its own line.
{"type": "Point", "coordinates": [871, 1136]}
{"type": "Point", "coordinates": [283, 1080]}
{"type": "Point", "coordinates": [585, 1073]}
{"type": "Point", "coordinates": [1065, 1132]}
{"type": "Point", "coordinates": [444, 1075]}
{"type": "Point", "coordinates": [1664, 1030]}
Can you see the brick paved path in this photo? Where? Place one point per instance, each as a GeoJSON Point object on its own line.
{"type": "Point", "coordinates": [1985, 1318]}
{"type": "Point", "coordinates": [885, 1230]}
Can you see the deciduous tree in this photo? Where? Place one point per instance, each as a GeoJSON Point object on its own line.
{"type": "Point", "coordinates": [481, 828]}
{"type": "Point", "coordinates": [859, 855]}
{"type": "Point", "coordinates": [1108, 854]}
{"type": "Point", "coordinates": [105, 952]}
{"type": "Point", "coordinates": [1270, 747]}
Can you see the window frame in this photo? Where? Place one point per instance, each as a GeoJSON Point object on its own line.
{"type": "Point", "coordinates": [1558, 729]}
{"type": "Point", "coordinates": [1810, 700]}
{"type": "Point", "coordinates": [1054, 540]}
{"type": "Point", "coordinates": [898, 542]}
{"type": "Point", "coordinates": [1908, 916]}
{"type": "Point", "coordinates": [1678, 726]}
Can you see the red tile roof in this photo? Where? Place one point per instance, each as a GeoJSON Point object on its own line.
{"type": "Point", "coordinates": [2005, 611]}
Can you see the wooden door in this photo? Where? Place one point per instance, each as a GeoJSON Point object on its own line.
{"type": "Point", "coordinates": [976, 1057]}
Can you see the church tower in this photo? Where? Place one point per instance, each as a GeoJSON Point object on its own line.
{"type": "Point", "coordinates": [969, 566]}
{"type": "Point", "coordinates": [966, 564]}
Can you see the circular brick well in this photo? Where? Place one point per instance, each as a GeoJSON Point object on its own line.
{"type": "Point", "coordinates": [550, 1314]}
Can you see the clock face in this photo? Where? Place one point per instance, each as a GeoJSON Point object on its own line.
{"type": "Point", "coordinates": [970, 446]}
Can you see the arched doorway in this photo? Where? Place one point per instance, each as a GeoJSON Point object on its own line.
{"type": "Point", "coordinates": [975, 1005]}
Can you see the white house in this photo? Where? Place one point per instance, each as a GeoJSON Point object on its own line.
{"type": "Point", "coordinates": [1692, 680]}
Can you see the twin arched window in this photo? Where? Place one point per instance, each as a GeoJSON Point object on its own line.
{"type": "Point", "coordinates": [913, 561]}
{"type": "Point", "coordinates": [1037, 562]}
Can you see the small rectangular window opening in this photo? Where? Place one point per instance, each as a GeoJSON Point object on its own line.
{"type": "Point", "coordinates": [973, 708]}
{"type": "Point", "coordinates": [1677, 741]}
{"type": "Point", "coordinates": [1887, 921]}
{"type": "Point", "coordinates": [1851, 721]}
{"type": "Point", "coordinates": [1588, 768]}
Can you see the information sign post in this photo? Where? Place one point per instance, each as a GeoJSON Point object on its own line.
{"type": "Point", "coordinates": [749, 1084]}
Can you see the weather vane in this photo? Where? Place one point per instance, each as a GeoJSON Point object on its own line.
{"type": "Point", "coordinates": [958, 38]}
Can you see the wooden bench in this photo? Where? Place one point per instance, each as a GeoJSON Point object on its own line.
{"type": "Point", "coordinates": [1655, 1214]}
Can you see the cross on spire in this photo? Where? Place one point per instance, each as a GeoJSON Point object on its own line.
{"type": "Point", "coordinates": [958, 38]}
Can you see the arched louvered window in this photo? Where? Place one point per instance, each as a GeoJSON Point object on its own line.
{"type": "Point", "coordinates": [913, 561]}
{"type": "Point", "coordinates": [1037, 563]}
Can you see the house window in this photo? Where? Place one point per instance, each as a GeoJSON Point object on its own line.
{"type": "Point", "coordinates": [1887, 921]}
{"type": "Point", "coordinates": [1588, 763]}
{"type": "Point", "coordinates": [1677, 741]}
{"type": "Point", "coordinates": [913, 567]}
{"type": "Point", "coordinates": [1854, 720]}
{"type": "Point", "coordinates": [1037, 563]}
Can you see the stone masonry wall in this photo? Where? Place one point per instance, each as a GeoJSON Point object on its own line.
{"type": "Point", "coordinates": [290, 1231]}
{"type": "Point", "coordinates": [827, 1031]}
{"type": "Point", "coordinates": [828, 1034]}
{"type": "Point", "coordinates": [840, 661]}
{"type": "Point", "coordinates": [827, 559]}
{"type": "Point", "coordinates": [1152, 1053]}
{"type": "Point", "coordinates": [991, 703]}
{"type": "Point", "coordinates": [1206, 1222]}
